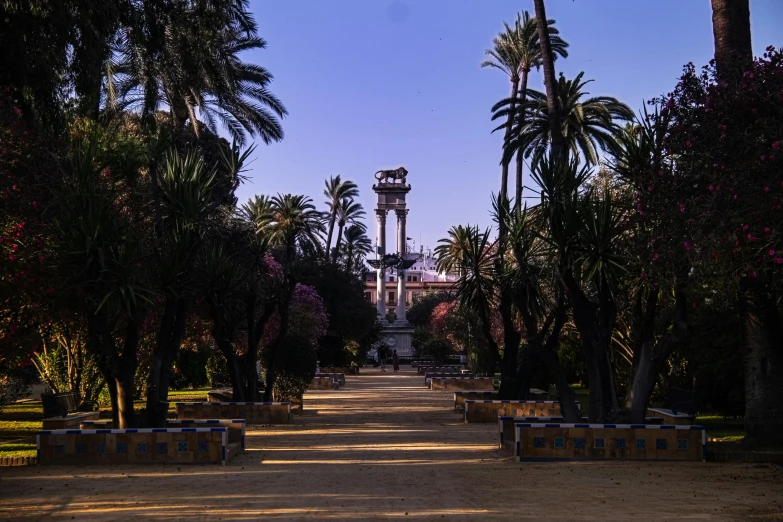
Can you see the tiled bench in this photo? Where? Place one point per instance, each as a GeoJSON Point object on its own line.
{"type": "Point", "coordinates": [462, 383]}
{"type": "Point", "coordinates": [421, 370]}
{"type": "Point", "coordinates": [71, 421]}
{"type": "Point", "coordinates": [221, 395]}
{"type": "Point", "coordinates": [431, 375]}
{"type": "Point", "coordinates": [133, 446]}
{"type": "Point", "coordinates": [461, 396]}
{"type": "Point", "coordinates": [489, 410]}
{"type": "Point", "coordinates": [252, 412]}
{"type": "Point", "coordinates": [102, 424]}
{"type": "Point", "coordinates": [339, 378]}
{"type": "Point", "coordinates": [507, 427]}
{"type": "Point", "coordinates": [559, 441]}
{"type": "Point", "coordinates": [323, 383]}
{"type": "Point", "coordinates": [235, 427]}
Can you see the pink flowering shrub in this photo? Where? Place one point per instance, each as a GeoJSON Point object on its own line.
{"type": "Point", "coordinates": [725, 143]}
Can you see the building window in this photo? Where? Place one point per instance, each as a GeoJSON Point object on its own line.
{"type": "Point", "coordinates": [368, 296]}
{"type": "Point", "coordinates": [416, 297]}
{"type": "Point", "coordinates": [391, 297]}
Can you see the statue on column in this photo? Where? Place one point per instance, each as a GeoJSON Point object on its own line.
{"type": "Point", "coordinates": [392, 176]}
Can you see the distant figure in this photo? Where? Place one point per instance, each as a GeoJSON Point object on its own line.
{"type": "Point", "coordinates": [395, 362]}
{"type": "Point", "coordinates": [382, 359]}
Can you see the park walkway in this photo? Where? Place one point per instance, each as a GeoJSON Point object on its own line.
{"type": "Point", "coordinates": [385, 447]}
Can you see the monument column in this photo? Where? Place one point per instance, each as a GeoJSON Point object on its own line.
{"type": "Point", "coordinates": [401, 248]}
{"type": "Point", "coordinates": [380, 284]}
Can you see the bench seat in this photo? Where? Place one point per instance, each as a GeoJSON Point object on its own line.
{"type": "Point", "coordinates": [70, 421]}
{"type": "Point", "coordinates": [669, 417]}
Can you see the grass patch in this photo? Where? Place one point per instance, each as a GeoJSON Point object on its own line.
{"type": "Point", "coordinates": [15, 429]}
{"type": "Point", "coordinates": [23, 449]}
{"type": "Point", "coordinates": [722, 432]}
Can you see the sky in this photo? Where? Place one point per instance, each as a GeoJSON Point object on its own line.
{"type": "Point", "coordinates": [378, 84]}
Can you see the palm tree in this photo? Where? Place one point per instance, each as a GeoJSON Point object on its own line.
{"type": "Point", "coordinates": [523, 41]}
{"type": "Point", "coordinates": [336, 190]}
{"type": "Point", "coordinates": [290, 222]}
{"type": "Point", "coordinates": [586, 124]}
{"type": "Point", "coordinates": [189, 60]}
{"type": "Point", "coordinates": [504, 56]}
{"type": "Point", "coordinates": [356, 245]}
{"type": "Point", "coordinates": [347, 213]}
{"type": "Point", "coordinates": [731, 32]}
{"type": "Point", "coordinates": [470, 252]}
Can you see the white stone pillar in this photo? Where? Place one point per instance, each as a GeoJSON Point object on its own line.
{"type": "Point", "coordinates": [380, 282]}
{"type": "Point", "coordinates": [401, 248]}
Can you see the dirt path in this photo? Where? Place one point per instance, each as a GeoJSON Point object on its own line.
{"type": "Point", "coordinates": [386, 447]}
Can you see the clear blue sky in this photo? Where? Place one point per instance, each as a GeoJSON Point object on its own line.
{"type": "Point", "coordinates": [374, 84]}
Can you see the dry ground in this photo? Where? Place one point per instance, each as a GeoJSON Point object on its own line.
{"type": "Point", "coordinates": [386, 447]}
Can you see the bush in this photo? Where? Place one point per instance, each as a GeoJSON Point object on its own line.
{"type": "Point", "coordinates": [15, 385]}
{"type": "Point", "coordinates": [438, 349]}
{"type": "Point", "coordinates": [216, 368]}
{"type": "Point", "coordinates": [295, 366]}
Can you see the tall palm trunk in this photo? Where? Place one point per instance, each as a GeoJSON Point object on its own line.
{"type": "Point", "coordinates": [762, 343]}
{"type": "Point", "coordinates": [548, 63]}
{"type": "Point", "coordinates": [509, 126]}
{"type": "Point", "coordinates": [332, 219]}
{"type": "Point", "coordinates": [731, 33]}
{"type": "Point", "coordinates": [340, 228]}
{"type": "Point", "coordinates": [520, 164]}
{"type": "Point", "coordinates": [349, 261]}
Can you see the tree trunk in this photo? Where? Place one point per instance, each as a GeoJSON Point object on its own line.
{"type": "Point", "coordinates": [251, 357]}
{"type": "Point", "coordinates": [124, 374]}
{"type": "Point", "coordinates": [509, 126]}
{"type": "Point", "coordinates": [511, 339]}
{"type": "Point", "coordinates": [336, 250]}
{"type": "Point", "coordinates": [546, 352]}
{"type": "Point", "coordinates": [595, 338]}
{"type": "Point", "coordinates": [332, 219]}
{"type": "Point", "coordinates": [283, 311]}
{"type": "Point", "coordinates": [233, 365]}
{"type": "Point", "coordinates": [649, 356]}
{"type": "Point", "coordinates": [170, 335]}
{"type": "Point", "coordinates": [731, 33]}
{"type": "Point", "coordinates": [519, 159]}
{"type": "Point", "coordinates": [548, 63]}
{"type": "Point", "coordinates": [762, 339]}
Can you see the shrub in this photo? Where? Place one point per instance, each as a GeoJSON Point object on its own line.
{"type": "Point", "coordinates": [295, 366]}
{"type": "Point", "coordinates": [437, 348]}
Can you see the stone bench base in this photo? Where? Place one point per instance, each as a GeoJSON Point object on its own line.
{"type": "Point", "coordinates": [252, 412]}
{"type": "Point", "coordinates": [339, 378]}
{"type": "Point", "coordinates": [133, 446]}
{"type": "Point", "coordinates": [543, 442]}
{"type": "Point", "coordinates": [72, 421]}
{"type": "Point", "coordinates": [462, 383]}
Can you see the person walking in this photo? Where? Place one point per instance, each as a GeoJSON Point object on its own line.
{"type": "Point", "coordinates": [395, 362]}
{"type": "Point", "coordinates": [382, 355]}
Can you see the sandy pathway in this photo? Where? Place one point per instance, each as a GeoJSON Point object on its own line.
{"type": "Point", "coordinates": [386, 447]}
